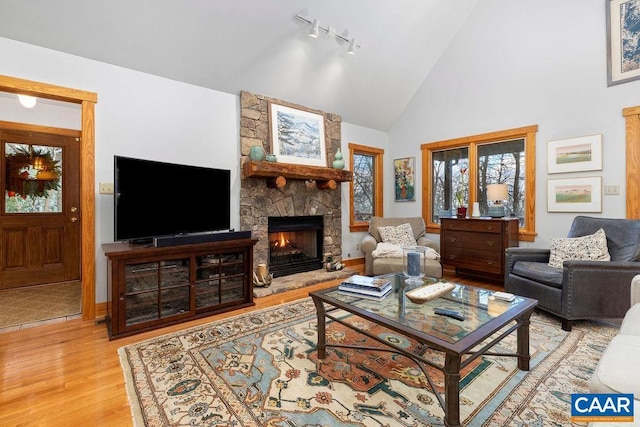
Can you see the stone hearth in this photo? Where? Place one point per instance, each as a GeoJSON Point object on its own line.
{"type": "Point", "coordinates": [300, 280]}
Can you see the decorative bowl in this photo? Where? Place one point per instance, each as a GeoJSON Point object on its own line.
{"type": "Point", "coordinates": [428, 292]}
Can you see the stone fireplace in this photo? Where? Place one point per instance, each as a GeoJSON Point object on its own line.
{"type": "Point", "coordinates": [260, 201]}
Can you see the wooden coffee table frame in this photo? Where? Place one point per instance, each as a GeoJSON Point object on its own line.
{"type": "Point", "coordinates": [457, 355]}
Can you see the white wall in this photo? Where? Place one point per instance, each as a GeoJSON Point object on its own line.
{"type": "Point", "coordinates": [519, 63]}
{"type": "Point", "coordinates": [362, 136]}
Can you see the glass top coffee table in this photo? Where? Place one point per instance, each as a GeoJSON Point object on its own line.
{"type": "Point", "coordinates": [487, 320]}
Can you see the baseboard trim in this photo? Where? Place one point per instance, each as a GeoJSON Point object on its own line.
{"type": "Point", "coordinates": [353, 261]}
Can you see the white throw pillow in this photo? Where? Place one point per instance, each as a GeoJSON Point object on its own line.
{"type": "Point", "coordinates": [401, 235]}
{"type": "Point", "coordinates": [592, 247]}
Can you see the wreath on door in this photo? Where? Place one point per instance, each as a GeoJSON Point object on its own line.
{"type": "Point", "coordinates": [31, 173]}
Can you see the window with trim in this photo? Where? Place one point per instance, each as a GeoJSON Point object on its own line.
{"type": "Point", "coordinates": [458, 171]}
{"type": "Point", "coordinates": [366, 187]}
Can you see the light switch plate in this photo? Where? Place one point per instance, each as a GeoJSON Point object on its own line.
{"type": "Point", "coordinates": [611, 189]}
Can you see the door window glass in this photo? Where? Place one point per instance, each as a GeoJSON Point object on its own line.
{"type": "Point", "coordinates": [33, 178]}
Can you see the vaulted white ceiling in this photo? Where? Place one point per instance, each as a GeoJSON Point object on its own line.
{"type": "Point", "coordinates": [258, 45]}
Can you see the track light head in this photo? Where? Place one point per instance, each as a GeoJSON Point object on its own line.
{"type": "Point", "coordinates": [352, 47]}
{"type": "Point", "coordinates": [315, 29]}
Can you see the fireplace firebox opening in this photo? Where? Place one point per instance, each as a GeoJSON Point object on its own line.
{"type": "Point", "coordinates": [295, 244]}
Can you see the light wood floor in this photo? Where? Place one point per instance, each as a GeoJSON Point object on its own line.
{"type": "Point", "coordinates": [69, 373]}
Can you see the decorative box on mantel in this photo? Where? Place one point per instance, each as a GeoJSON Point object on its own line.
{"type": "Point", "coordinates": [278, 173]}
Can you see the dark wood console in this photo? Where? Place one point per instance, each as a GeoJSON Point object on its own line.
{"type": "Point", "coordinates": [152, 287]}
{"type": "Point", "coordinates": [476, 246]}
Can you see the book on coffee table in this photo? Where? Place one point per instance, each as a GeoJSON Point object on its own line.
{"type": "Point", "coordinates": [365, 282]}
{"type": "Point", "coordinates": [363, 293]}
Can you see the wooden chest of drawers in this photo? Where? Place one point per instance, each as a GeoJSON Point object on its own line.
{"type": "Point", "coordinates": [476, 246]}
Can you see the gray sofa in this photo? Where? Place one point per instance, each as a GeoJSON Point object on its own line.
{"type": "Point", "coordinates": [378, 266]}
{"type": "Point", "coordinates": [581, 289]}
{"type": "Point", "coordinates": [618, 370]}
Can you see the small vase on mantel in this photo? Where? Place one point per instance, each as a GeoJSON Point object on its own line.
{"type": "Point", "coordinates": [338, 163]}
{"type": "Point", "coordinates": [257, 153]}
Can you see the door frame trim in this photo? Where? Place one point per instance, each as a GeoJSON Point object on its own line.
{"type": "Point", "coordinates": [87, 101]}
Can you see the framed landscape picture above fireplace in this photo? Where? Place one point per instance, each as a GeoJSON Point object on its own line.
{"type": "Point", "coordinates": [297, 135]}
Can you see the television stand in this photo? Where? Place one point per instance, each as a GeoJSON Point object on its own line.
{"type": "Point", "coordinates": [151, 287]}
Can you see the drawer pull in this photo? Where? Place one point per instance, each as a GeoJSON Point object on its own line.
{"type": "Point", "coordinates": [490, 227]}
{"type": "Point", "coordinates": [491, 243]}
{"type": "Point", "coordinates": [489, 262]}
{"type": "Point", "coordinates": [452, 239]}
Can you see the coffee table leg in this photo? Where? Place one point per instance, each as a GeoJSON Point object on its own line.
{"type": "Point", "coordinates": [320, 310]}
{"type": "Point", "coordinates": [452, 390]}
{"type": "Point", "coordinates": [523, 342]}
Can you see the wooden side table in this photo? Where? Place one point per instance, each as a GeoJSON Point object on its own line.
{"type": "Point", "coordinates": [476, 246]}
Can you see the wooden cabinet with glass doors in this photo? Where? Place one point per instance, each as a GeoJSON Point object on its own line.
{"type": "Point", "coordinates": [152, 287]}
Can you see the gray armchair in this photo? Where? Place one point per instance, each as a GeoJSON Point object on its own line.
{"type": "Point", "coordinates": [581, 289]}
{"type": "Point", "coordinates": [378, 266]}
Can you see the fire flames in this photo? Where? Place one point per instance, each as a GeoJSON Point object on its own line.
{"type": "Point", "coordinates": [281, 241]}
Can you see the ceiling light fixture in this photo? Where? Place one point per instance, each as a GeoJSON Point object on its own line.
{"type": "Point", "coordinates": [352, 47]}
{"type": "Point", "coordinates": [314, 32]}
{"type": "Point", "coordinates": [27, 101]}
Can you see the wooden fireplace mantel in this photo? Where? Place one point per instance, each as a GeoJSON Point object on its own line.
{"type": "Point", "coordinates": [278, 173]}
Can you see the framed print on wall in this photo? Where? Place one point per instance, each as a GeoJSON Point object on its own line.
{"type": "Point", "coordinates": [574, 194]}
{"type": "Point", "coordinates": [405, 170]}
{"type": "Point", "coordinates": [623, 49]}
{"type": "Point", "coordinates": [297, 136]}
{"type": "Point", "coordinates": [575, 154]}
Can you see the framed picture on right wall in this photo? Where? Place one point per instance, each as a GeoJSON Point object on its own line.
{"type": "Point", "coordinates": [579, 154]}
{"type": "Point", "coordinates": [574, 194]}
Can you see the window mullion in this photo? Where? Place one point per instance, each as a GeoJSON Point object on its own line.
{"type": "Point", "coordinates": [473, 175]}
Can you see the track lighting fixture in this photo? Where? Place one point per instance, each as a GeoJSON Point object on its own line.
{"type": "Point", "coordinates": [314, 32]}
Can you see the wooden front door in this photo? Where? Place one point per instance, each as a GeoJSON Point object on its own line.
{"type": "Point", "coordinates": [40, 215]}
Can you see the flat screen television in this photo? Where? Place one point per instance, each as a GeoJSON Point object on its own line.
{"type": "Point", "coordinates": [155, 199]}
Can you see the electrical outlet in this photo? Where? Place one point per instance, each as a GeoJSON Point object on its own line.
{"type": "Point", "coordinates": [106, 188]}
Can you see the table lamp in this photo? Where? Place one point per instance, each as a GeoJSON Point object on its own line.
{"type": "Point", "coordinates": [497, 193]}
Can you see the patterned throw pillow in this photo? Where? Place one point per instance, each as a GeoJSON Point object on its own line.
{"type": "Point", "coordinates": [592, 247]}
{"type": "Point", "coordinates": [401, 235]}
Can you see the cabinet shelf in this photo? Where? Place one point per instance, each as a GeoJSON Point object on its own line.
{"type": "Point", "coordinates": [277, 173]}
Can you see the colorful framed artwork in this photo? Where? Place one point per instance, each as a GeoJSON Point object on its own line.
{"type": "Point", "coordinates": [623, 49]}
{"type": "Point", "coordinates": [575, 154]}
{"type": "Point", "coordinates": [574, 194]}
{"type": "Point", "coordinates": [405, 170]}
{"type": "Point", "coordinates": [297, 135]}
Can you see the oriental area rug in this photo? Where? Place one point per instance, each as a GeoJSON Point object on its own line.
{"type": "Point", "coordinates": [261, 369]}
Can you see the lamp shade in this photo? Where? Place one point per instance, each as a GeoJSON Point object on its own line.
{"type": "Point", "coordinates": [497, 192]}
